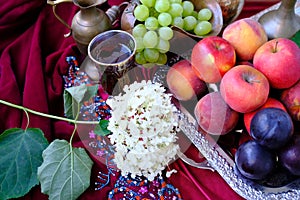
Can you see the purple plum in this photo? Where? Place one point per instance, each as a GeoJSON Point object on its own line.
{"type": "Point", "coordinates": [271, 127]}
{"type": "Point", "coordinates": [254, 161]}
{"type": "Point", "coordinates": [289, 155]}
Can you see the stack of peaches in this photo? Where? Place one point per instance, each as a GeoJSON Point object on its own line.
{"type": "Point", "coordinates": [258, 86]}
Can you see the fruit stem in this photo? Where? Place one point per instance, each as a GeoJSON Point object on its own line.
{"type": "Point", "coordinates": [28, 119]}
{"type": "Point", "coordinates": [75, 127]}
{"type": "Point", "coordinates": [46, 115]}
{"type": "Point", "coordinates": [249, 79]}
{"type": "Point", "coordinates": [275, 48]}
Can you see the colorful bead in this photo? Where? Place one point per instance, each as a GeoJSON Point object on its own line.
{"type": "Point", "coordinates": [75, 77]}
{"type": "Point", "coordinates": [105, 150]}
{"type": "Point", "coordinates": [94, 109]}
{"type": "Point", "coordinates": [140, 188]}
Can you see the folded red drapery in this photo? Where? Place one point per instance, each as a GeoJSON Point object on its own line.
{"type": "Point", "coordinates": [32, 62]}
{"type": "Point", "coordinates": [251, 7]}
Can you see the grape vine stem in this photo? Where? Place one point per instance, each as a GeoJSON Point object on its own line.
{"type": "Point", "coordinates": [46, 115]}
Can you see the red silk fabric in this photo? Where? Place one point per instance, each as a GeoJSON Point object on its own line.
{"type": "Point", "coordinates": [32, 63]}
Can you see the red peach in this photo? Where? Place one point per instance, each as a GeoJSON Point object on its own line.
{"type": "Point", "coordinates": [279, 61]}
{"type": "Point", "coordinates": [244, 88]}
{"type": "Point", "coordinates": [246, 36]}
{"type": "Point", "coordinates": [214, 116]}
{"type": "Point", "coordinates": [291, 99]}
{"type": "Point", "coordinates": [183, 82]}
{"type": "Point", "coordinates": [243, 62]}
{"type": "Point", "coordinates": [212, 57]}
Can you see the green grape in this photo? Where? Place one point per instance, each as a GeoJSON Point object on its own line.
{"type": "Point", "coordinates": [139, 44]}
{"type": "Point", "coordinates": [140, 58]}
{"type": "Point", "coordinates": [178, 21]}
{"type": "Point", "coordinates": [165, 33]}
{"type": "Point", "coordinates": [203, 28]}
{"type": "Point", "coordinates": [141, 12]}
{"type": "Point", "coordinates": [175, 1]}
{"type": "Point", "coordinates": [151, 55]}
{"type": "Point", "coordinates": [164, 19]}
{"type": "Point", "coordinates": [188, 8]}
{"type": "Point", "coordinates": [150, 39]}
{"type": "Point", "coordinates": [204, 14]}
{"type": "Point", "coordinates": [148, 3]}
{"type": "Point", "coordinates": [162, 59]}
{"type": "Point", "coordinates": [163, 46]}
{"type": "Point", "coordinates": [194, 14]}
{"type": "Point", "coordinates": [151, 23]}
{"type": "Point", "coordinates": [153, 12]}
{"type": "Point", "coordinates": [175, 10]}
{"type": "Point", "coordinates": [190, 23]}
{"type": "Point", "coordinates": [139, 30]}
{"type": "Point", "coordinates": [162, 5]}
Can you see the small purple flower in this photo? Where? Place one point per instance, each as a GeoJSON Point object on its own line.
{"type": "Point", "coordinates": [155, 183]}
{"type": "Point", "coordinates": [143, 190]}
{"type": "Point", "coordinates": [92, 134]}
{"type": "Point", "coordinates": [100, 153]}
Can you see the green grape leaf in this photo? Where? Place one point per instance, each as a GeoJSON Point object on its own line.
{"type": "Point", "coordinates": [101, 128]}
{"type": "Point", "coordinates": [21, 155]}
{"type": "Point", "coordinates": [65, 172]}
{"type": "Point", "coordinates": [75, 96]}
{"type": "Point", "coordinates": [296, 38]}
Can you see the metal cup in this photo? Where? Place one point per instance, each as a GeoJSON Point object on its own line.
{"type": "Point", "coordinates": [112, 53]}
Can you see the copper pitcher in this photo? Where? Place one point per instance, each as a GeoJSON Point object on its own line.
{"type": "Point", "coordinates": [88, 22]}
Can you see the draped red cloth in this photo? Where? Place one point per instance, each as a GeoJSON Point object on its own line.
{"type": "Point", "coordinates": [32, 63]}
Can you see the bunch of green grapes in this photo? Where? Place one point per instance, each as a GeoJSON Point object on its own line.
{"type": "Point", "coordinates": [153, 34]}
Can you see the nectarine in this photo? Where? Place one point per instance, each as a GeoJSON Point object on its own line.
{"type": "Point", "coordinates": [244, 88]}
{"type": "Point", "coordinates": [183, 82]}
{"type": "Point", "coordinates": [212, 57]}
{"type": "Point", "coordinates": [291, 99]}
{"type": "Point", "coordinates": [246, 35]}
{"type": "Point", "coordinates": [214, 116]}
{"type": "Point", "coordinates": [279, 61]}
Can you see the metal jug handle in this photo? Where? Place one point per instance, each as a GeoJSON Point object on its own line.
{"type": "Point", "coordinates": [114, 12]}
{"type": "Point", "coordinates": [54, 4]}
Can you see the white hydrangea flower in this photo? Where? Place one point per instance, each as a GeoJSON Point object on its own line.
{"type": "Point", "coordinates": [144, 127]}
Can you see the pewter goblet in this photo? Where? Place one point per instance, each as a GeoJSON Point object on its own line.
{"type": "Point", "coordinates": [112, 53]}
